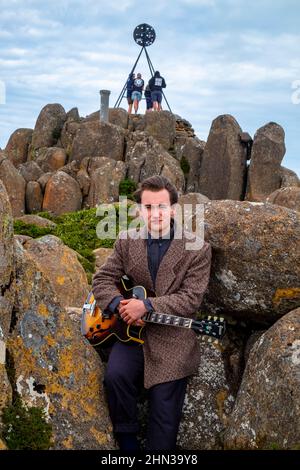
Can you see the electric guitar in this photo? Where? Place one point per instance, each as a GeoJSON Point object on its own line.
{"type": "Point", "coordinates": [104, 328]}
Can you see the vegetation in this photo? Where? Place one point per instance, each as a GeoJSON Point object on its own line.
{"type": "Point", "coordinates": [185, 166]}
{"type": "Point", "coordinates": [127, 188]}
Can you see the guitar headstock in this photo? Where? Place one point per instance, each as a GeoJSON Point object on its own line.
{"type": "Point", "coordinates": [214, 327]}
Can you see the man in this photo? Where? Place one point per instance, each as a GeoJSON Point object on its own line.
{"type": "Point", "coordinates": [156, 84]}
{"type": "Point", "coordinates": [129, 88]}
{"type": "Point", "coordinates": [137, 90]}
{"type": "Point", "coordinates": [179, 277]}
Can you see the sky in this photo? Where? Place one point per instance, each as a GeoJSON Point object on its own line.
{"type": "Point", "coordinates": [218, 57]}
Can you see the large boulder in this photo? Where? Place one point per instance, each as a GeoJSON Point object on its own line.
{"type": "Point", "coordinates": [95, 138]}
{"type": "Point", "coordinates": [210, 395]}
{"type": "Point", "coordinates": [60, 265]}
{"type": "Point", "coordinates": [105, 181]}
{"type": "Point", "coordinates": [55, 368]}
{"type": "Point", "coordinates": [62, 194]}
{"type": "Point", "coordinates": [48, 127]}
{"type": "Point", "coordinates": [190, 162]}
{"type": "Point", "coordinates": [53, 159]}
{"type": "Point", "coordinates": [15, 187]}
{"type": "Point", "coordinates": [161, 126]}
{"type": "Point", "coordinates": [264, 175]}
{"type": "Point", "coordinates": [287, 197]}
{"type": "Point", "coordinates": [118, 117]}
{"type": "Point", "coordinates": [33, 197]}
{"type": "Point", "coordinates": [267, 409]}
{"type": "Point", "coordinates": [36, 220]}
{"type": "Point", "coordinates": [146, 157]}
{"type": "Point", "coordinates": [18, 145]}
{"type": "Point", "coordinates": [7, 285]}
{"type": "Point", "coordinates": [68, 133]}
{"type": "Point", "coordinates": [30, 171]}
{"type": "Point", "coordinates": [224, 163]}
{"type": "Point", "coordinates": [288, 178]}
{"type": "Point", "coordinates": [256, 260]}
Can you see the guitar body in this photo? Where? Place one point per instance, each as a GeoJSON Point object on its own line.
{"type": "Point", "coordinates": [104, 329]}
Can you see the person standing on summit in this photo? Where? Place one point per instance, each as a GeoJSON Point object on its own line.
{"type": "Point", "coordinates": [156, 84]}
{"type": "Point", "coordinates": [137, 89]}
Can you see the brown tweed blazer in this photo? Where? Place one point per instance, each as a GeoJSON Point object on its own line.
{"type": "Point", "coordinates": [170, 353]}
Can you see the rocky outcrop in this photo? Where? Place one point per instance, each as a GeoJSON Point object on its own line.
{"type": "Point", "coordinates": [101, 255]}
{"type": "Point", "coordinates": [264, 175]}
{"type": "Point", "coordinates": [30, 171]}
{"type": "Point", "coordinates": [161, 126]}
{"type": "Point", "coordinates": [36, 220]}
{"type": "Point", "coordinates": [118, 117]}
{"type": "Point", "coordinates": [266, 413]}
{"type": "Point", "coordinates": [95, 139]}
{"type": "Point", "coordinates": [54, 367]}
{"type": "Point", "coordinates": [223, 166]}
{"type": "Point", "coordinates": [60, 265]}
{"type": "Point", "coordinates": [52, 159]}
{"type": "Point", "coordinates": [62, 194]}
{"type": "Point", "coordinates": [18, 145]}
{"type": "Point", "coordinates": [146, 157]}
{"type": "Point", "coordinates": [256, 266]}
{"type": "Point", "coordinates": [15, 186]}
{"type": "Point", "coordinates": [105, 181]}
{"type": "Point", "coordinates": [288, 178]}
{"type": "Point", "coordinates": [287, 197]}
{"type": "Point", "coordinates": [48, 127]}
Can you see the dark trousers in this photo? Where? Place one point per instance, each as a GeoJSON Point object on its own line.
{"type": "Point", "coordinates": [123, 381]}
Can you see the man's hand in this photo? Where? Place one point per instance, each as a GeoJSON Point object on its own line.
{"type": "Point", "coordinates": [132, 310]}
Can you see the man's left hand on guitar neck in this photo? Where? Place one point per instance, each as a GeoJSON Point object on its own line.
{"type": "Point", "coordinates": [132, 310]}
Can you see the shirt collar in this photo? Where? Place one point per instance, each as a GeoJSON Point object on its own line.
{"type": "Point", "coordinates": [168, 237]}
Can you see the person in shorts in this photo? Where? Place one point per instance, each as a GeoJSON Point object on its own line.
{"type": "Point", "coordinates": [156, 84]}
{"type": "Point", "coordinates": [137, 90]}
{"type": "Point", "coordinates": [149, 104]}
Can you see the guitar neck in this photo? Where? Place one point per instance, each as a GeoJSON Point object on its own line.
{"type": "Point", "coordinates": [165, 319]}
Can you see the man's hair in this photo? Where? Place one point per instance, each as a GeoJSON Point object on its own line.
{"type": "Point", "coordinates": [157, 183]}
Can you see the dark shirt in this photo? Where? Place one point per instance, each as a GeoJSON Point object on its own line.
{"type": "Point", "coordinates": [156, 249]}
{"type": "Point", "coordinates": [138, 85]}
{"type": "Point", "coordinates": [129, 87]}
{"type": "Point", "coordinates": [157, 83]}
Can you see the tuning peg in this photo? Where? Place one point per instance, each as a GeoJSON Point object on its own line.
{"type": "Point", "coordinates": [209, 317]}
{"type": "Point", "coordinates": [222, 319]}
{"type": "Point", "coordinates": [215, 318]}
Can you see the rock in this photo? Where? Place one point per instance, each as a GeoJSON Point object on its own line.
{"type": "Point", "coordinates": [146, 157]}
{"type": "Point", "coordinates": [43, 180]}
{"type": "Point", "coordinates": [55, 367]}
{"type": "Point", "coordinates": [33, 197]}
{"type": "Point", "coordinates": [162, 127]}
{"type": "Point", "coordinates": [118, 117]}
{"type": "Point", "coordinates": [30, 171]}
{"type": "Point", "coordinates": [287, 197]}
{"type": "Point", "coordinates": [256, 260]}
{"type": "Point", "coordinates": [18, 145]}
{"type": "Point", "coordinates": [15, 187]}
{"type": "Point", "coordinates": [48, 126]}
{"type": "Point", "coordinates": [190, 204]}
{"type": "Point", "coordinates": [105, 182]}
{"type": "Point", "coordinates": [288, 178]}
{"type": "Point", "coordinates": [53, 159]}
{"type": "Point", "coordinates": [98, 139]}
{"type": "Point", "coordinates": [224, 163]}
{"type": "Point", "coordinates": [68, 133]}
{"type": "Point", "coordinates": [62, 194]}
{"type": "Point", "coordinates": [22, 238]}
{"type": "Point", "coordinates": [210, 397]}
{"type": "Point", "coordinates": [264, 175]}
{"type": "Point", "coordinates": [84, 182]}
{"type": "Point", "coordinates": [267, 409]}
{"type": "Point", "coordinates": [73, 114]}
{"type": "Point", "coordinates": [60, 264]}
{"type": "Point", "coordinates": [101, 255]}
{"type": "Point", "coordinates": [36, 220]}
{"type": "Point", "coordinates": [190, 163]}
{"type": "Point", "coordinates": [7, 275]}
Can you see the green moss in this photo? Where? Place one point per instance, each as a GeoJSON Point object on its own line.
{"type": "Point", "coordinates": [25, 428]}
{"type": "Point", "coordinates": [77, 230]}
{"type": "Point", "coordinates": [185, 166]}
{"type": "Point", "coordinates": [127, 188]}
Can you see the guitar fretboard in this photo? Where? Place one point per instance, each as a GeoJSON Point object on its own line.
{"type": "Point", "coordinates": [166, 319]}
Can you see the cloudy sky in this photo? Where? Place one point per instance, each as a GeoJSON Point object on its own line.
{"type": "Point", "coordinates": [235, 57]}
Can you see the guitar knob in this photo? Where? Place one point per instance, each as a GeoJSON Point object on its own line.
{"type": "Point", "coordinates": [98, 326]}
{"type": "Point", "coordinates": [91, 329]}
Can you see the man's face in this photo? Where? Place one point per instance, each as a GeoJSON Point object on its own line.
{"type": "Point", "coordinates": [157, 211]}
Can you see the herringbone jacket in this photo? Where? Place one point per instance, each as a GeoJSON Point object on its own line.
{"type": "Point", "coordinates": [170, 353]}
